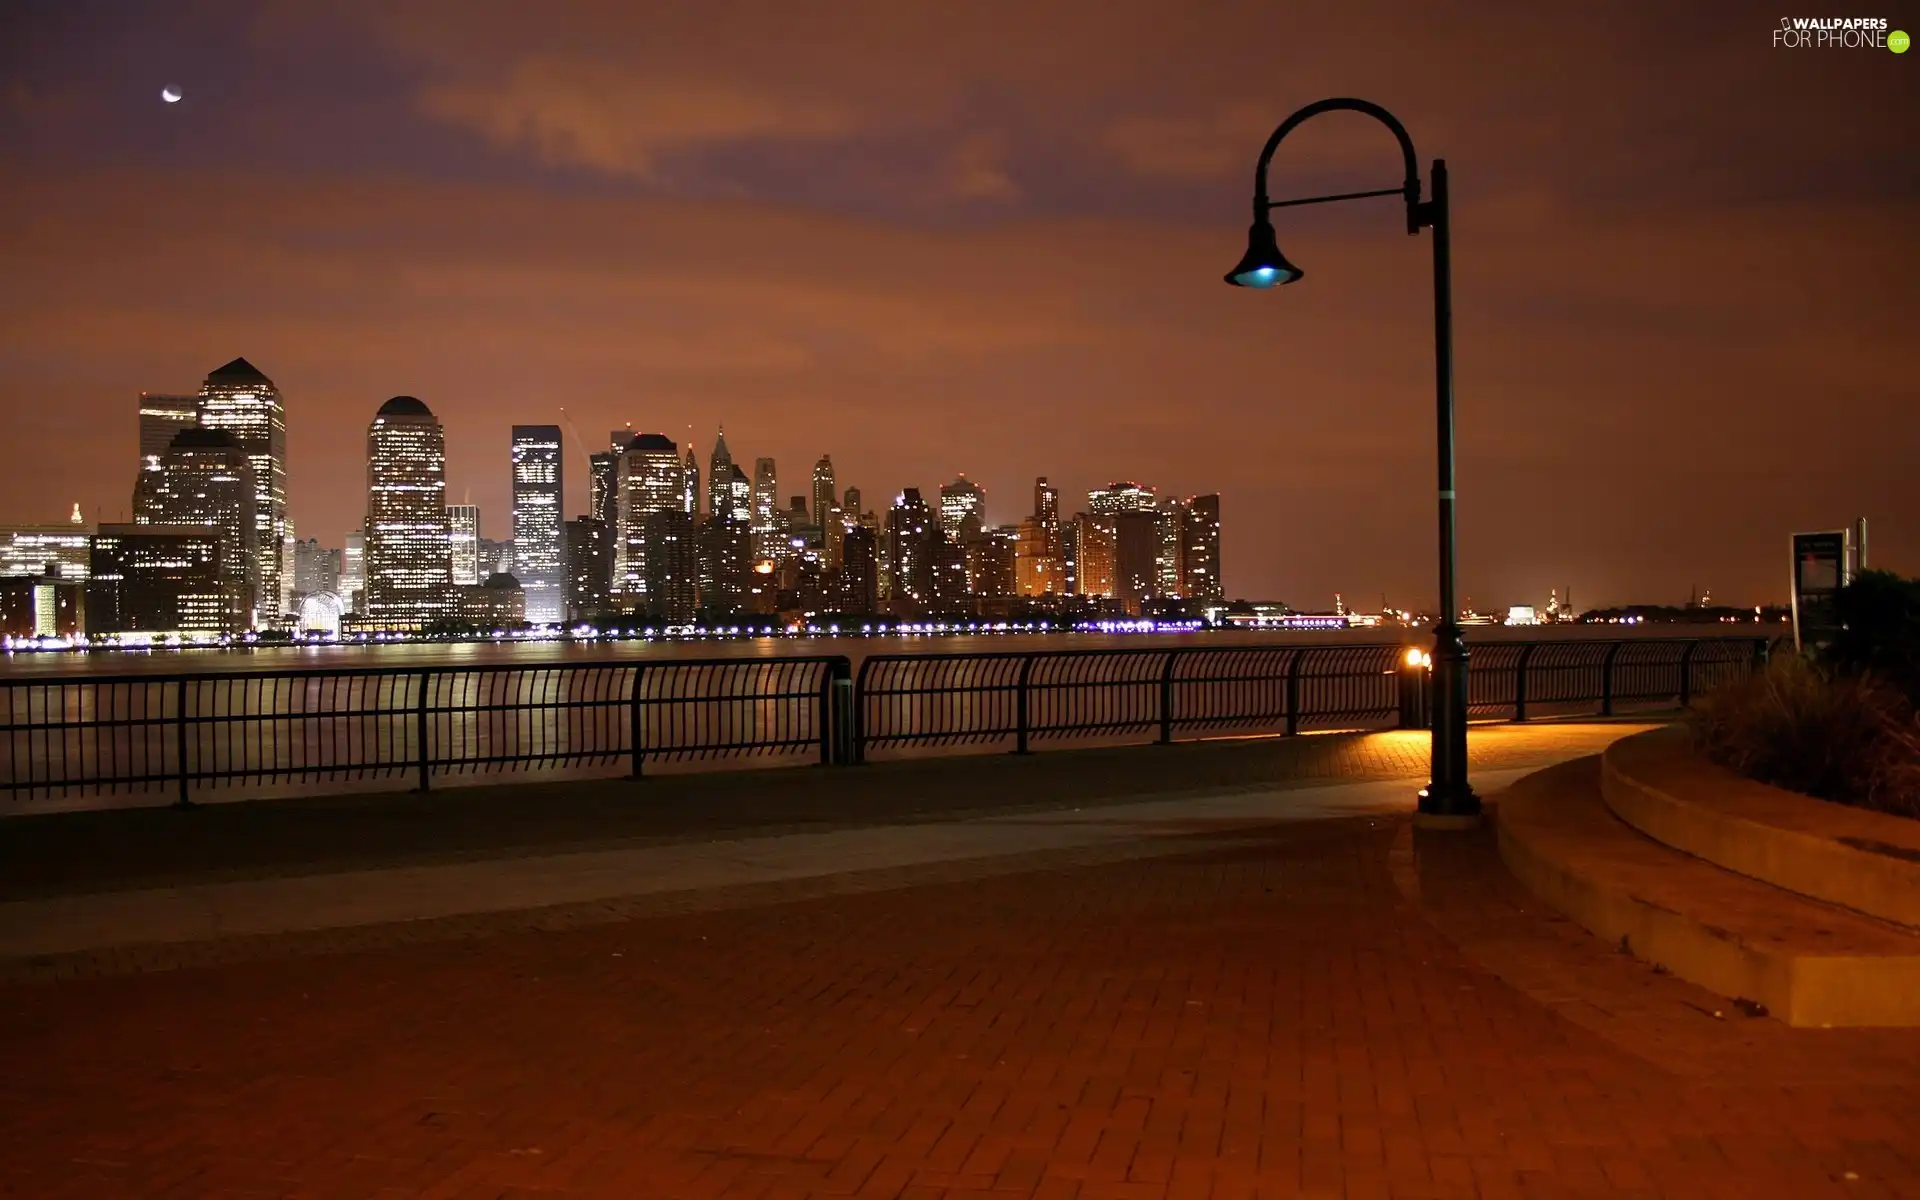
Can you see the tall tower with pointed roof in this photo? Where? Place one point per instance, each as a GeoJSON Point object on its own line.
{"type": "Point", "coordinates": [719, 474]}
{"type": "Point", "coordinates": [241, 400]}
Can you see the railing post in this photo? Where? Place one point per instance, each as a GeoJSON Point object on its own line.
{"type": "Point", "coordinates": [860, 714]}
{"type": "Point", "coordinates": [634, 724]}
{"type": "Point", "coordinates": [1686, 674]}
{"type": "Point", "coordinates": [1606, 679]}
{"type": "Point", "coordinates": [836, 693]}
{"type": "Point", "coordinates": [420, 732]}
{"type": "Point", "coordinates": [1166, 698]}
{"type": "Point", "coordinates": [183, 800]}
{"type": "Point", "coordinates": [1520, 683]}
{"type": "Point", "coordinates": [1293, 691]}
{"type": "Point", "coordinates": [1020, 704]}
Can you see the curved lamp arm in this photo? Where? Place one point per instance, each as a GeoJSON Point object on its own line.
{"type": "Point", "coordinates": [1418, 215]}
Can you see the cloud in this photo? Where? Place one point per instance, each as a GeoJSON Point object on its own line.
{"type": "Point", "coordinates": [580, 112]}
{"type": "Point", "coordinates": [977, 173]}
{"type": "Point", "coordinates": [1207, 146]}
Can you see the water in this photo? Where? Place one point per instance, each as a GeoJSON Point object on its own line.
{"type": "Point", "coordinates": [449, 654]}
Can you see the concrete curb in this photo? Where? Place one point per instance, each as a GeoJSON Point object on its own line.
{"type": "Point", "coordinates": [1867, 861]}
{"type": "Point", "coordinates": [1805, 962]}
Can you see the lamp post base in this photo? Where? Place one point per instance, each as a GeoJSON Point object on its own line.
{"type": "Point", "coordinates": [1448, 821]}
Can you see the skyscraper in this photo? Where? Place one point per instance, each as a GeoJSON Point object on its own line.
{"type": "Point", "coordinates": [911, 531]}
{"type": "Point", "coordinates": [1169, 574]}
{"type": "Point", "coordinates": [823, 493]}
{"type": "Point", "coordinates": [1122, 497]}
{"type": "Point", "coordinates": [1046, 503]}
{"type": "Point", "coordinates": [963, 508]}
{"type": "Point", "coordinates": [990, 563]}
{"type": "Point", "coordinates": [605, 470]}
{"type": "Point", "coordinates": [859, 575]}
{"type": "Point", "coordinates": [766, 509]}
{"type": "Point", "coordinates": [652, 480]}
{"type": "Point", "coordinates": [463, 544]}
{"type": "Point", "coordinates": [353, 572]}
{"type": "Point", "coordinates": [833, 538]}
{"type": "Point", "coordinates": [671, 565]}
{"type": "Point", "coordinates": [851, 505]}
{"type": "Point", "coordinates": [539, 549]}
{"type": "Point", "coordinates": [316, 568]}
{"type": "Point", "coordinates": [589, 568]}
{"type": "Point", "coordinates": [204, 480]}
{"type": "Point", "coordinates": [409, 561]}
{"type": "Point", "coordinates": [690, 485]}
{"type": "Point", "coordinates": [1136, 569]}
{"type": "Point", "coordinates": [244, 402]}
{"type": "Point", "coordinates": [1200, 549]}
{"type": "Point", "coordinates": [719, 474]}
{"type": "Point", "coordinates": [1094, 550]}
{"type": "Point", "coordinates": [1036, 566]}
{"type": "Point", "coordinates": [162, 416]}
{"type": "Point", "coordinates": [160, 579]}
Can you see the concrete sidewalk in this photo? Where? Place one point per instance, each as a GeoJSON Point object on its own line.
{"type": "Point", "coordinates": [194, 912]}
{"type": "Point", "coordinates": [1192, 996]}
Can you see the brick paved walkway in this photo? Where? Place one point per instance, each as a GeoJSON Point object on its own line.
{"type": "Point", "coordinates": [1337, 1008]}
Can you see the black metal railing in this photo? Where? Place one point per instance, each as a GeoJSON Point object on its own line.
{"type": "Point", "coordinates": [178, 735]}
{"type": "Point", "coordinates": [130, 734]}
{"type": "Point", "coordinates": [903, 700]}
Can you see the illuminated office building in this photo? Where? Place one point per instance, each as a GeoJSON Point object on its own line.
{"type": "Point", "coordinates": [409, 561]}
{"type": "Point", "coordinates": [911, 531]}
{"type": "Point", "coordinates": [239, 399]}
{"type": "Point", "coordinates": [690, 485]}
{"type": "Point", "coordinates": [823, 493]}
{"type": "Point", "coordinates": [539, 549]}
{"type": "Point", "coordinates": [33, 549]}
{"type": "Point", "coordinates": [1200, 548]}
{"type": "Point", "coordinates": [316, 568]}
{"type": "Point", "coordinates": [589, 568]}
{"type": "Point", "coordinates": [1046, 503]}
{"type": "Point", "coordinates": [203, 479]}
{"type": "Point", "coordinates": [963, 508]}
{"type": "Point", "coordinates": [353, 571]}
{"type": "Point", "coordinates": [463, 544]}
{"type": "Point", "coordinates": [719, 476]}
{"type": "Point", "coordinates": [1167, 564]}
{"type": "Point", "coordinates": [1122, 497]}
{"type": "Point", "coordinates": [1036, 565]}
{"type": "Point", "coordinates": [652, 479]}
{"type": "Point", "coordinates": [499, 602]}
{"type": "Point", "coordinates": [850, 506]}
{"type": "Point", "coordinates": [1094, 565]}
{"type": "Point", "coordinates": [162, 416]}
{"type": "Point", "coordinates": [161, 580]}
{"type": "Point", "coordinates": [858, 591]}
{"type": "Point", "coordinates": [990, 563]}
{"type": "Point", "coordinates": [766, 510]}
{"type": "Point", "coordinates": [1136, 557]}
{"type": "Point", "coordinates": [604, 471]}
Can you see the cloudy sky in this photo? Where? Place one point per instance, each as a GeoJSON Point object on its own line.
{"type": "Point", "coordinates": [988, 237]}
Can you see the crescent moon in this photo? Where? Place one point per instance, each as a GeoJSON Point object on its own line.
{"type": "Point", "coordinates": [170, 95]}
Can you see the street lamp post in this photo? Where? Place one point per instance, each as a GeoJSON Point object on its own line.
{"type": "Point", "coordinates": [1448, 801]}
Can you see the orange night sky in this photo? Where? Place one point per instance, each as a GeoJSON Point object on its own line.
{"type": "Point", "coordinates": [989, 238]}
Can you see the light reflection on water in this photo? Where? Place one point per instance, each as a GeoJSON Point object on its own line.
{"type": "Point", "coordinates": [437, 654]}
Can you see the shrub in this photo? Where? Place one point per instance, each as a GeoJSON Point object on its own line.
{"type": "Point", "coordinates": [1879, 614]}
{"type": "Point", "coordinates": [1813, 729]}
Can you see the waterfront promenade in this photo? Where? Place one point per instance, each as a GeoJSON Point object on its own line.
{"type": "Point", "coordinates": [1201, 970]}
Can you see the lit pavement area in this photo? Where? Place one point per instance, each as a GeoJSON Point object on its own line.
{"type": "Point", "coordinates": [1220, 977]}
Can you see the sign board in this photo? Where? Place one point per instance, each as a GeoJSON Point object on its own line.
{"type": "Point", "coordinates": [1822, 565]}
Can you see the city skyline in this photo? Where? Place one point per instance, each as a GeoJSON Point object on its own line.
{"type": "Point", "coordinates": [829, 253]}
{"type": "Point", "coordinates": [160, 414]}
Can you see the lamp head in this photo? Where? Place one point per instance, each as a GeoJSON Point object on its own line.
{"type": "Point", "coordinates": [1263, 266]}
